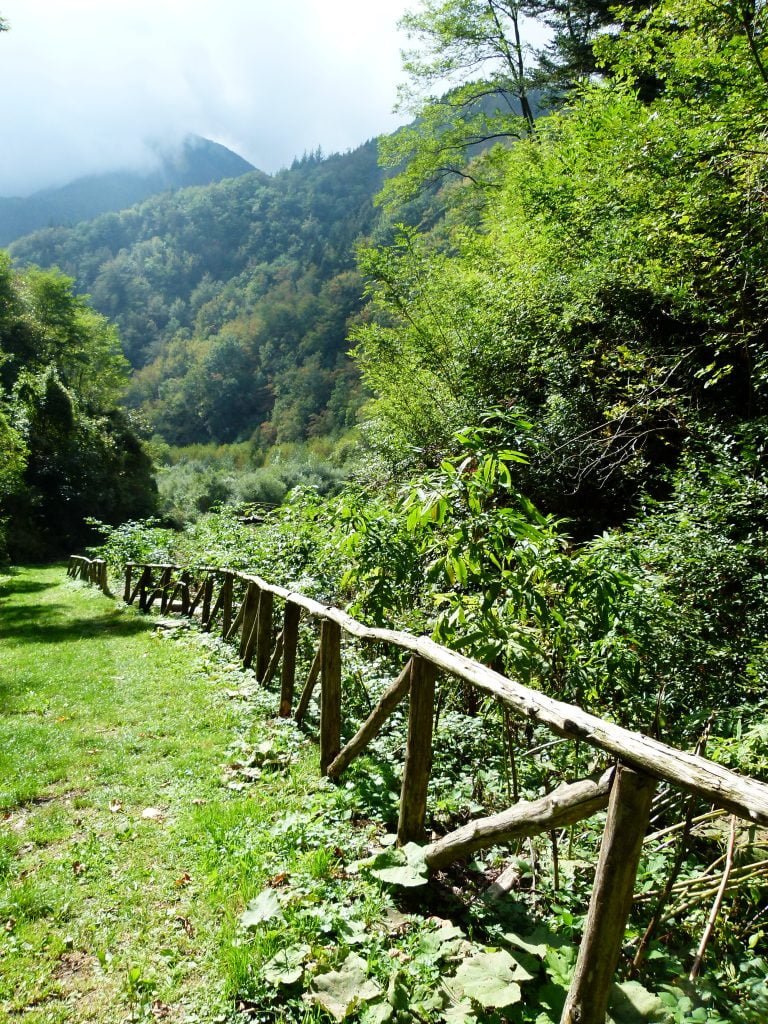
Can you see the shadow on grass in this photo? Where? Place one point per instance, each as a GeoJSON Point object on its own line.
{"type": "Point", "coordinates": [54, 623]}
{"type": "Point", "coordinates": [24, 587]}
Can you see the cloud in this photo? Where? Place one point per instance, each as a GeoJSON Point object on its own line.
{"type": "Point", "coordinates": [88, 82]}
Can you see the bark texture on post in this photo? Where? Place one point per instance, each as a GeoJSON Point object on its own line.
{"type": "Point", "coordinates": [205, 612]}
{"type": "Point", "coordinates": [274, 661]}
{"type": "Point", "coordinates": [165, 582]}
{"type": "Point", "coordinates": [264, 634]}
{"type": "Point", "coordinates": [226, 604]}
{"type": "Point", "coordinates": [184, 588]}
{"type": "Point", "coordinates": [144, 582]}
{"type": "Point", "coordinates": [565, 805]}
{"type": "Point", "coordinates": [373, 723]}
{"type": "Point", "coordinates": [217, 606]}
{"type": "Point", "coordinates": [330, 693]}
{"type": "Point", "coordinates": [309, 686]}
{"type": "Point", "coordinates": [291, 616]}
{"type": "Point", "coordinates": [418, 755]}
{"type": "Point", "coordinates": [250, 624]}
{"type": "Point", "coordinates": [629, 809]}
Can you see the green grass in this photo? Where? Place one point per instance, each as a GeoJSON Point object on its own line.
{"type": "Point", "coordinates": [110, 911]}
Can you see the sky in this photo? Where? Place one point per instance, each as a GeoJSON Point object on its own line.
{"type": "Point", "coordinates": [88, 83]}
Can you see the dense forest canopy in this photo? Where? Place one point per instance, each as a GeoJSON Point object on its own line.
{"type": "Point", "coordinates": [253, 279]}
{"type": "Point", "coordinates": [611, 289]}
{"type": "Point", "coordinates": [69, 450]}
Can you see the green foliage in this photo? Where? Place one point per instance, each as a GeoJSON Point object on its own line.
{"type": "Point", "coordinates": [68, 451]}
{"type": "Point", "coordinates": [233, 301]}
{"type": "Point", "coordinates": [609, 289]}
{"type": "Point", "coordinates": [474, 49]}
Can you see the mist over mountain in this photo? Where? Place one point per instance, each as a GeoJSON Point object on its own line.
{"type": "Point", "coordinates": [196, 161]}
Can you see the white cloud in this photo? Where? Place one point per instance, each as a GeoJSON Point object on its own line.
{"type": "Point", "coordinates": [86, 82]}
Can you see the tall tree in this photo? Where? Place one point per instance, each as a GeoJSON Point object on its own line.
{"type": "Point", "coordinates": [614, 290]}
{"type": "Point", "coordinates": [468, 86]}
{"type": "Point", "coordinates": [66, 451]}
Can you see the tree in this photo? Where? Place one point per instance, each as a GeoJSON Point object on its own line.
{"type": "Point", "coordinates": [67, 452]}
{"type": "Point", "coordinates": [473, 53]}
{"type": "Point", "coordinates": [611, 291]}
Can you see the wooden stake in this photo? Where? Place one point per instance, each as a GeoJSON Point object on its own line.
{"type": "Point", "coordinates": [226, 604]}
{"type": "Point", "coordinates": [219, 603]}
{"type": "Point", "coordinates": [165, 582]}
{"type": "Point", "coordinates": [274, 661]}
{"type": "Point", "coordinates": [144, 582]}
{"type": "Point", "coordinates": [418, 756]}
{"type": "Point", "coordinates": [264, 634]}
{"type": "Point", "coordinates": [330, 693]}
{"type": "Point", "coordinates": [250, 624]}
{"type": "Point", "coordinates": [291, 616]}
{"type": "Point", "coordinates": [128, 576]}
{"type": "Point", "coordinates": [373, 723]}
{"type": "Point", "coordinates": [306, 693]}
{"type": "Point", "coordinates": [205, 613]}
{"type": "Point", "coordinates": [185, 593]}
{"type": "Point", "coordinates": [629, 811]}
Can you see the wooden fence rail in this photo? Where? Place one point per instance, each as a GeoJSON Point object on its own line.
{"type": "Point", "coordinates": [244, 604]}
{"type": "Point", "coordinates": [93, 570]}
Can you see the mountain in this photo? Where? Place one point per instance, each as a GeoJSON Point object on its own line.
{"type": "Point", "coordinates": [233, 300]}
{"type": "Point", "coordinates": [196, 161]}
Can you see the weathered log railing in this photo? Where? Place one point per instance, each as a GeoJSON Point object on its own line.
{"type": "Point", "coordinates": [626, 789]}
{"type": "Point", "coordinates": [93, 570]}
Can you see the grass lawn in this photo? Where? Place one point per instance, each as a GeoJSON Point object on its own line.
{"type": "Point", "coordinates": [127, 851]}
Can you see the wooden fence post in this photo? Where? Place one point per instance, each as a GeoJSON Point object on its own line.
{"type": "Point", "coordinates": [330, 693]}
{"type": "Point", "coordinates": [629, 809]}
{"type": "Point", "coordinates": [205, 612]}
{"type": "Point", "coordinates": [250, 615]}
{"type": "Point", "coordinates": [418, 755]}
{"type": "Point", "coordinates": [128, 577]}
{"type": "Point", "coordinates": [165, 583]}
{"type": "Point", "coordinates": [145, 581]}
{"type": "Point", "coordinates": [185, 577]}
{"type": "Point", "coordinates": [291, 616]}
{"type": "Point", "coordinates": [226, 604]}
{"type": "Point", "coordinates": [264, 633]}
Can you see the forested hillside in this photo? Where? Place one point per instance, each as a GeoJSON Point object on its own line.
{"type": "Point", "coordinates": [234, 301]}
{"type": "Point", "coordinates": [195, 161]}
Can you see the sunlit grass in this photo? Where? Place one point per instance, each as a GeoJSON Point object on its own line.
{"type": "Point", "coordinates": [125, 858]}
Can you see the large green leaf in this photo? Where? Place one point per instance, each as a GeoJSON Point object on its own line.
{"type": "Point", "coordinates": [286, 966]}
{"type": "Point", "coordinates": [404, 866]}
{"type": "Point", "coordinates": [491, 978]}
{"type": "Point", "coordinates": [340, 992]}
{"type": "Point", "coordinates": [265, 907]}
{"type": "Point", "coordinates": [632, 1003]}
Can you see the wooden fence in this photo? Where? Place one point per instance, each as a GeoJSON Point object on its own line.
{"type": "Point", "coordinates": [93, 570]}
{"type": "Point", "coordinates": [242, 607]}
